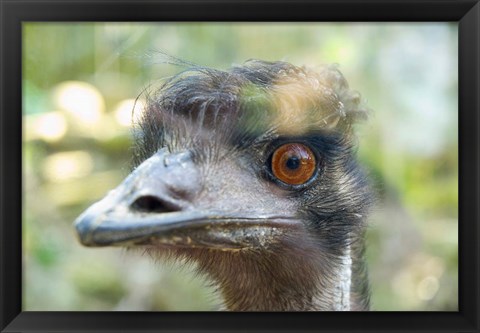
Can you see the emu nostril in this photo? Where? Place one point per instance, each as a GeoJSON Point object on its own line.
{"type": "Point", "coordinates": [152, 204]}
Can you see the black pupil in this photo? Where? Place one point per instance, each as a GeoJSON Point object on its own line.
{"type": "Point", "coordinates": [293, 163]}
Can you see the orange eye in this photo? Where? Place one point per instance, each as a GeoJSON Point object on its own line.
{"type": "Point", "coordinates": [293, 163]}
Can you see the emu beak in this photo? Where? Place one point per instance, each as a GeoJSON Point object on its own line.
{"type": "Point", "coordinates": [152, 206]}
{"type": "Point", "coordinates": [148, 203]}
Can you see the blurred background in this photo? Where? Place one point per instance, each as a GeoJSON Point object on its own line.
{"type": "Point", "coordinates": [80, 81]}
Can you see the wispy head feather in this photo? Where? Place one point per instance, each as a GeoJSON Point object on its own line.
{"type": "Point", "coordinates": [244, 104]}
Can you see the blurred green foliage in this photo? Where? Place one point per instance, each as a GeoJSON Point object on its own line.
{"type": "Point", "coordinates": [79, 83]}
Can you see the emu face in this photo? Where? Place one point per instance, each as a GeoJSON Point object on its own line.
{"type": "Point", "coordinates": [251, 174]}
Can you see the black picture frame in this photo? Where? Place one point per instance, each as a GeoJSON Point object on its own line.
{"type": "Point", "coordinates": [14, 12]}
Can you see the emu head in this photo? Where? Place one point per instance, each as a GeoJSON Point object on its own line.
{"type": "Point", "coordinates": [251, 174]}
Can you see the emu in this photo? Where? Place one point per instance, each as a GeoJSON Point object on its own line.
{"type": "Point", "coordinates": [252, 174]}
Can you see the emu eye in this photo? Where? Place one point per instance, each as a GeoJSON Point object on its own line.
{"type": "Point", "coordinates": [293, 163]}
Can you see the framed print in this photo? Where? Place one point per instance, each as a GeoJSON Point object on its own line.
{"type": "Point", "coordinates": [198, 166]}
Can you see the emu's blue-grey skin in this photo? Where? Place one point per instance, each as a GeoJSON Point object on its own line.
{"type": "Point", "coordinates": [203, 188]}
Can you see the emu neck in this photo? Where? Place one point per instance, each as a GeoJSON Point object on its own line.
{"type": "Point", "coordinates": [278, 283]}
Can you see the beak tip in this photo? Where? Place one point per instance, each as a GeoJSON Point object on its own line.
{"type": "Point", "coordinates": [83, 226]}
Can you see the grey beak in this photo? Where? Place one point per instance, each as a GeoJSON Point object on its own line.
{"type": "Point", "coordinates": [153, 199]}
